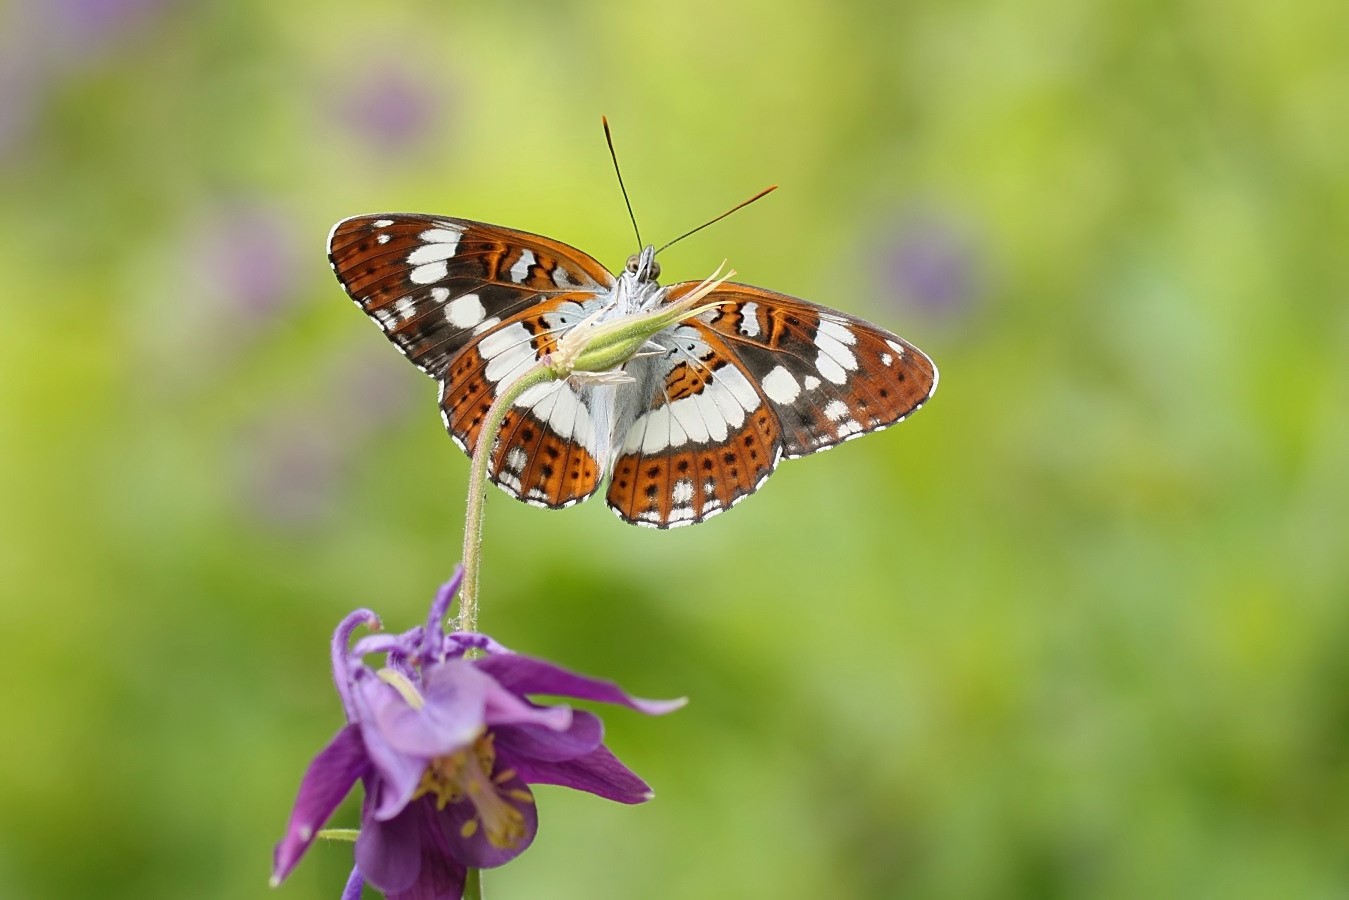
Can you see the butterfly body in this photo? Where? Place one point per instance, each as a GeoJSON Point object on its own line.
{"type": "Point", "coordinates": [698, 420]}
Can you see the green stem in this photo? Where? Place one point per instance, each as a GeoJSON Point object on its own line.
{"type": "Point", "coordinates": [339, 834]}
{"type": "Point", "coordinates": [477, 489]}
{"type": "Point", "coordinates": [473, 885]}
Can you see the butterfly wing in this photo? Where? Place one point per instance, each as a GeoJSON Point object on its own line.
{"type": "Point", "coordinates": [829, 376]}
{"type": "Point", "coordinates": [546, 451]}
{"type": "Point", "coordinates": [705, 438]}
{"type": "Point", "coordinates": [805, 378]}
{"type": "Point", "coordinates": [431, 283]}
{"type": "Point", "coordinates": [474, 305]}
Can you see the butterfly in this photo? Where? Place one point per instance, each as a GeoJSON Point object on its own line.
{"type": "Point", "coordinates": [699, 421]}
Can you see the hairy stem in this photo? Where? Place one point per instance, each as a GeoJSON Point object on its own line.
{"type": "Point", "coordinates": [473, 885]}
{"type": "Point", "coordinates": [477, 489]}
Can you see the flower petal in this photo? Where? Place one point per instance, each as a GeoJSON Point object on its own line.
{"type": "Point", "coordinates": [398, 773]}
{"type": "Point", "coordinates": [527, 675]}
{"type": "Point", "coordinates": [435, 620]}
{"type": "Point", "coordinates": [451, 715]}
{"type": "Point", "coordinates": [460, 642]}
{"type": "Point", "coordinates": [506, 708]}
{"type": "Point", "coordinates": [389, 853]}
{"type": "Point", "coordinates": [338, 651]}
{"type": "Point", "coordinates": [474, 848]}
{"type": "Point", "coordinates": [441, 878]}
{"type": "Point", "coordinates": [327, 780]}
{"type": "Point", "coordinates": [532, 742]}
{"type": "Point", "coordinates": [598, 772]}
{"type": "Point", "coordinates": [355, 884]}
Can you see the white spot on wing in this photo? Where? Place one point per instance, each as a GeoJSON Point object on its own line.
{"type": "Point", "coordinates": [811, 382]}
{"type": "Point", "coordinates": [566, 410]}
{"type": "Point", "coordinates": [728, 407]}
{"type": "Point", "coordinates": [830, 368]}
{"type": "Point", "coordinates": [382, 239]}
{"type": "Point", "coordinates": [431, 272]}
{"type": "Point", "coordinates": [836, 330]}
{"type": "Point", "coordinates": [887, 359]}
{"type": "Point", "coordinates": [506, 350]}
{"type": "Point", "coordinates": [520, 271]}
{"type": "Point", "coordinates": [781, 386]}
{"type": "Point", "coordinates": [428, 253]}
{"type": "Point", "coordinates": [836, 410]}
{"type": "Point", "coordinates": [739, 386]}
{"type": "Point", "coordinates": [833, 340]}
{"type": "Point", "coordinates": [448, 235]}
{"type": "Point", "coordinates": [516, 459]}
{"type": "Point", "coordinates": [690, 419]}
{"type": "Point", "coordinates": [561, 409]}
{"type": "Point", "coordinates": [655, 434]}
{"type": "Point", "coordinates": [682, 493]}
{"type": "Point", "coordinates": [680, 515]}
{"type": "Point", "coordinates": [405, 307]}
{"type": "Point", "coordinates": [849, 429]}
{"type": "Point", "coordinates": [465, 311]}
{"type": "Point", "coordinates": [533, 395]}
{"type": "Point", "coordinates": [749, 325]}
{"type": "Point", "coordinates": [383, 223]}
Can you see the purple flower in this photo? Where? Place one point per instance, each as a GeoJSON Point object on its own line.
{"type": "Point", "coordinates": [446, 745]}
{"type": "Point", "coordinates": [390, 107]}
{"type": "Point", "coordinates": [932, 260]}
{"type": "Point", "coordinates": [243, 258]}
{"type": "Point", "coordinates": [84, 26]}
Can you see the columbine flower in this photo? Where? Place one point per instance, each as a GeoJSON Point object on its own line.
{"type": "Point", "coordinates": [446, 747]}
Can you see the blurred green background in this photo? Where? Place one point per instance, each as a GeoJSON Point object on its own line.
{"type": "Point", "coordinates": [1078, 629]}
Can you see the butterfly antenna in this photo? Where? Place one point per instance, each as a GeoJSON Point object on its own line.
{"type": "Point", "coordinates": [609, 139]}
{"type": "Point", "coordinates": [765, 192]}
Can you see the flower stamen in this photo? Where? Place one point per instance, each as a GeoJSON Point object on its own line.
{"type": "Point", "coordinates": [399, 682]}
{"type": "Point", "coordinates": [467, 775]}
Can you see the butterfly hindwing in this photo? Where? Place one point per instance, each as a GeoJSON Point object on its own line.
{"type": "Point", "coordinates": [541, 456]}
{"type": "Point", "coordinates": [545, 453]}
{"type": "Point", "coordinates": [706, 437]}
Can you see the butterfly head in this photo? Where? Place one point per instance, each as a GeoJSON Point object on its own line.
{"type": "Point", "coordinates": [643, 265]}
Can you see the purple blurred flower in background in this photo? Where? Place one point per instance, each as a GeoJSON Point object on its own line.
{"type": "Point", "coordinates": [42, 42]}
{"type": "Point", "coordinates": [371, 390]}
{"type": "Point", "coordinates": [447, 747]}
{"type": "Point", "coordinates": [931, 260]}
{"type": "Point", "coordinates": [87, 26]}
{"type": "Point", "coordinates": [293, 464]}
{"type": "Point", "coordinates": [289, 470]}
{"type": "Point", "coordinates": [244, 257]}
{"type": "Point", "coordinates": [390, 107]}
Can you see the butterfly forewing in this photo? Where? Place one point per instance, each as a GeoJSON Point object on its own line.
{"type": "Point", "coordinates": [828, 376]}
{"type": "Point", "coordinates": [475, 305]}
{"type": "Point", "coordinates": [431, 283]}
